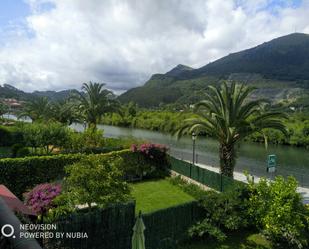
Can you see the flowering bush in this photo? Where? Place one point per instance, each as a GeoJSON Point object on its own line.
{"type": "Point", "coordinates": [40, 198]}
{"type": "Point", "coordinates": [156, 153]}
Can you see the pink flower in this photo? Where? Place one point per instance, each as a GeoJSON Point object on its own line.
{"type": "Point", "coordinates": [40, 198]}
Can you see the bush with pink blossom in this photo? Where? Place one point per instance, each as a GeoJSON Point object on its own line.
{"type": "Point", "coordinates": [40, 198]}
{"type": "Point", "coordinates": [155, 153]}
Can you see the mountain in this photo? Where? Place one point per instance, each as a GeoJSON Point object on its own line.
{"type": "Point", "coordinates": [53, 95]}
{"type": "Point", "coordinates": [8, 91]}
{"type": "Point", "coordinates": [279, 68]}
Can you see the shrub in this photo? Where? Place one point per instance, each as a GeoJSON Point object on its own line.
{"type": "Point", "coordinates": [20, 174]}
{"type": "Point", "coordinates": [15, 148]}
{"type": "Point", "coordinates": [40, 198]}
{"type": "Point", "coordinates": [5, 136]}
{"type": "Point", "coordinates": [277, 210]}
{"type": "Point", "coordinates": [155, 153]}
{"type": "Point", "coordinates": [223, 212]}
{"type": "Point", "coordinates": [22, 152]}
{"type": "Point", "coordinates": [10, 136]}
{"type": "Point", "coordinates": [48, 136]}
{"type": "Point", "coordinates": [93, 181]}
{"type": "Point", "coordinates": [86, 141]}
{"type": "Point", "coordinates": [189, 188]}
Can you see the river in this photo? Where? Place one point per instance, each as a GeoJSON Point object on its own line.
{"type": "Point", "coordinates": [252, 156]}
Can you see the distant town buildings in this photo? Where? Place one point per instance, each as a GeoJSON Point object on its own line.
{"type": "Point", "coordinates": [13, 104]}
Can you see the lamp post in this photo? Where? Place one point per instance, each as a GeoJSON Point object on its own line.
{"type": "Point", "coordinates": [193, 146]}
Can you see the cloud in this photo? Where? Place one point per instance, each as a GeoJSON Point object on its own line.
{"type": "Point", "coordinates": [62, 44]}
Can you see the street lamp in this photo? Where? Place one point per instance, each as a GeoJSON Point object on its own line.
{"type": "Point", "coordinates": [193, 143]}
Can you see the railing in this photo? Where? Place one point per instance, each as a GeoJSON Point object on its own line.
{"type": "Point", "coordinates": [251, 168]}
{"type": "Point", "coordinates": [11, 225]}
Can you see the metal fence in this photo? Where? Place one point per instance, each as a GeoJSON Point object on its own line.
{"type": "Point", "coordinates": [259, 171]}
{"type": "Point", "coordinates": [111, 228]}
{"type": "Point", "coordinates": [207, 177]}
{"type": "Point", "coordinates": [167, 227]}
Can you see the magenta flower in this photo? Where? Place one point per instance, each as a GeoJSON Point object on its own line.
{"type": "Point", "coordinates": [40, 198]}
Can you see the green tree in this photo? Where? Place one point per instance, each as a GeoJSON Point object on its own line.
{"type": "Point", "coordinates": [3, 109]}
{"type": "Point", "coordinates": [228, 115]}
{"type": "Point", "coordinates": [65, 112]}
{"type": "Point", "coordinates": [39, 109]}
{"type": "Point", "coordinates": [276, 209]}
{"type": "Point", "coordinates": [94, 102]}
{"type": "Point", "coordinates": [46, 135]}
{"type": "Point", "coordinates": [96, 181]}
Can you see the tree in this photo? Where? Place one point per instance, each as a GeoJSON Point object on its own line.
{"type": "Point", "coordinates": [39, 109]}
{"type": "Point", "coordinates": [94, 102]}
{"type": "Point", "coordinates": [46, 135]}
{"type": "Point", "coordinates": [95, 181]}
{"type": "Point", "coordinates": [64, 112]}
{"type": "Point", "coordinates": [3, 109]}
{"type": "Point", "coordinates": [228, 115]}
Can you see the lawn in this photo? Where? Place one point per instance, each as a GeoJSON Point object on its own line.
{"type": "Point", "coordinates": [239, 240]}
{"type": "Point", "coordinates": [153, 195]}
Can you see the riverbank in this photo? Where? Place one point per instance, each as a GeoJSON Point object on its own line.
{"type": "Point", "coordinates": [167, 121]}
{"type": "Point", "coordinates": [243, 178]}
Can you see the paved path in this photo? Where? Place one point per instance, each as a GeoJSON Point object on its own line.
{"type": "Point", "coordinates": [241, 177]}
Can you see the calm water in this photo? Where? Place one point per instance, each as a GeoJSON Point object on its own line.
{"type": "Point", "coordinates": [252, 156]}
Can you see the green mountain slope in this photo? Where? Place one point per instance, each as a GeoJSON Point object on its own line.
{"type": "Point", "coordinates": [279, 68]}
{"type": "Point", "coordinates": [8, 91]}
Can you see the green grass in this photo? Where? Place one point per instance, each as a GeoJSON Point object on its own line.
{"type": "Point", "coordinates": [153, 195]}
{"type": "Point", "coordinates": [239, 240]}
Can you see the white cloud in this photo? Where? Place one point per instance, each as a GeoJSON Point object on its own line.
{"type": "Point", "coordinates": [123, 42]}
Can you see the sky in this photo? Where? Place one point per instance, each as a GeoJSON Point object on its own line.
{"type": "Point", "coordinates": [60, 44]}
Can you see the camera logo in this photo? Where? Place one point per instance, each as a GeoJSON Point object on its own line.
{"type": "Point", "coordinates": [7, 231]}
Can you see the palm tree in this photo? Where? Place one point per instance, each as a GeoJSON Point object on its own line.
{"type": "Point", "coordinates": [94, 101]}
{"type": "Point", "coordinates": [65, 112]}
{"type": "Point", "coordinates": [228, 115]}
{"type": "Point", "coordinates": [37, 109]}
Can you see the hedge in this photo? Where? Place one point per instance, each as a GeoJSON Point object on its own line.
{"type": "Point", "coordinates": [10, 136]}
{"type": "Point", "coordinates": [21, 174]}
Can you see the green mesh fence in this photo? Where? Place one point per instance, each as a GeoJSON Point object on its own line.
{"type": "Point", "coordinates": [207, 177]}
{"type": "Point", "coordinates": [166, 227]}
{"type": "Point", "coordinates": [109, 228]}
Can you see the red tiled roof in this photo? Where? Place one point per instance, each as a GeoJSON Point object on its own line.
{"type": "Point", "coordinates": [13, 202]}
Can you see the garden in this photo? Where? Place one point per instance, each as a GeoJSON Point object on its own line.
{"type": "Point", "coordinates": [256, 215]}
{"type": "Point", "coordinates": [83, 181]}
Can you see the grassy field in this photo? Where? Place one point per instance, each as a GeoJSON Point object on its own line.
{"type": "Point", "coordinates": [239, 240]}
{"type": "Point", "coordinates": [153, 195]}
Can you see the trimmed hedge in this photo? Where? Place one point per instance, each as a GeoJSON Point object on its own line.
{"type": "Point", "coordinates": [10, 136]}
{"type": "Point", "coordinates": [22, 174]}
